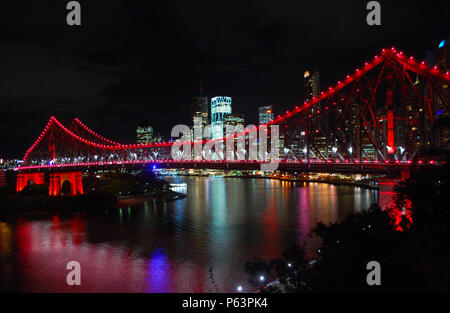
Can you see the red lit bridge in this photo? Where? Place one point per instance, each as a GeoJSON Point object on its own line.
{"type": "Point", "coordinates": [380, 119]}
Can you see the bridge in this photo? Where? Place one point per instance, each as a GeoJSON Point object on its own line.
{"type": "Point", "coordinates": [379, 119]}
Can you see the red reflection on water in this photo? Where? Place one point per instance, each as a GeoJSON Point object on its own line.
{"type": "Point", "coordinates": [23, 240]}
{"type": "Point", "coordinates": [270, 221]}
{"type": "Point", "coordinates": [78, 227]}
{"type": "Point", "coordinates": [304, 226]}
{"type": "Point", "coordinates": [199, 280]}
{"type": "Point", "coordinates": [44, 249]}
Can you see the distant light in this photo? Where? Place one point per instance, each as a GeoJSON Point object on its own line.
{"type": "Point", "coordinates": [440, 112]}
{"type": "Point", "coordinates": [289, 264]}
{"type": "Point", "coordinates": [239, 289]}
{"type": "Point", "coordinates": [390, 149]}
{"type": "Point", "coordinates": [261, 278]}
{"type": "Point", "coordinates": [442, 44]}
{"type": "Point", "coordinates": [154, 167]}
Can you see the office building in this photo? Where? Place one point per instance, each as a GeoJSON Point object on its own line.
{"type": "Point", "coordinates": [144, 134]}
{"type": "Point", "coordinates": [441, 56]}
{"type": "Point", "coordinates": [441, 59]}
{"type": "Point", "coordinates": [265, 114]}
{"type": "Point", "coordinates": [234, 120]}
{"type": "Point", "coordinates": [199, 113]}
{"type": "Point", "coordinates": [311, 81]}
{"type": "Point", "coordinates": [220, 108]}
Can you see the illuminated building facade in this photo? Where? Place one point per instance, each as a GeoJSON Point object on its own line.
{"type": "Point", "coordinates": [441, 55]}
{"type": "Point", "coordinates": [220, 108]}
{"type": "Point", "coordinates": [199, 113]}
{"type": "Point", "coordinates": [144, 134]}
{"type": "Point", "coordinates": [199, 105]}
{"type": "Point", "coordinates": [441, 59]}
{"type": "Point", "coordinates": [9, 164]}
{"type": "Point", "coordinates": [265, 114]}
{"type": "Point", "coordinates": [234, 120]}
{"type": "Point", "coordinates": [311, 87]}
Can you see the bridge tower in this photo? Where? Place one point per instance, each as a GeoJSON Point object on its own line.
{"type": "Point", "coordinates": [24, 178]}
{"type": "Point", "coordinates": [57, 180]}
{"type": "Point", "coordinates": [390, 131]}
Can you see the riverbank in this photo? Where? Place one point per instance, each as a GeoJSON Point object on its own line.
{"type": "Point", "coordinates": [41, 204]}
{"type": "Point", "coordinates": [101, 191]}
{"type": "Point", "coordinates": [168, 195]}
{"type": "Point", "coordinates": [361, 184]}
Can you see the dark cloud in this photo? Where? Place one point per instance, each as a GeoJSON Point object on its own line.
{"type": "Point", "coordinates": [134, 60]}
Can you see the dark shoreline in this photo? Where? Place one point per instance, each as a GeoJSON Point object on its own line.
{"type": "Point", "coordinates": [36, 206]}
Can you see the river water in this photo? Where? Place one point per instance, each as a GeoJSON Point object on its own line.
{"type": "Point", "coordinates": [149, 246]}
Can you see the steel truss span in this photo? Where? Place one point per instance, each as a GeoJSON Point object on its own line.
{"type": "Point", "coordinates": [388, 112]}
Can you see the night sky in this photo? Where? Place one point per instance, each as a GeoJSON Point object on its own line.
{"type": "Point", "coordinates": [134, 60]}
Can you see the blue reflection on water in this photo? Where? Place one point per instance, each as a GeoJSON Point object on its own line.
{"type": "Point", "coordinates": [158, 272]}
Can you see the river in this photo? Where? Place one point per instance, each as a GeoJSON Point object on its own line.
{"type": "Point", "coordinates": [149, 246]}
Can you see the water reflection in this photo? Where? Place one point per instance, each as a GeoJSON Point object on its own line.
{"type": "Point", "coordinates": [152, 246]}
{"type": "Point", "coordinates": [158, 272]}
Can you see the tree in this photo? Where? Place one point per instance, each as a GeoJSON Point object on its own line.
{"type": "Point", "coordinates": [417, 258]}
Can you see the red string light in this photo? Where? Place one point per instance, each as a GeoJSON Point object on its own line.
{"type": "Point", "coordinates": [95, 134]}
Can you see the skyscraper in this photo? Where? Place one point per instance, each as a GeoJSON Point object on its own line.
{"type": "Point", "coordinates": [234, 120]}
{"type": "Point", "coordinates": [311, 87]}
{"type": "Point", "coordinates": [441, 56]}
{"type": "Point", "coordinates": [220, 108]}
{"type": "Point", "coordinates": [199, 104]}
{"type": "Point", "coordinates": [441, 59]}
{"type": "Point", "coordinates": [199, 113]}
{"type": "Point", "coordinates": [265, 114]}
{"type": "Point", "coordinates": [144, 133]}
{"type": "Point", "coordinates": [199, 107]}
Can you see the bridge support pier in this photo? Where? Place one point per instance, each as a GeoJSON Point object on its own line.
{"type": "Point", "coordinates": [57, 180]}
{"type": "Point", "coordinates": [24, 178]}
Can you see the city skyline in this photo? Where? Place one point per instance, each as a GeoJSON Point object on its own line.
{"type": "Point", "coordinates": [438, 57]}
{"type": "Point", "coordinates": [105, 87]}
